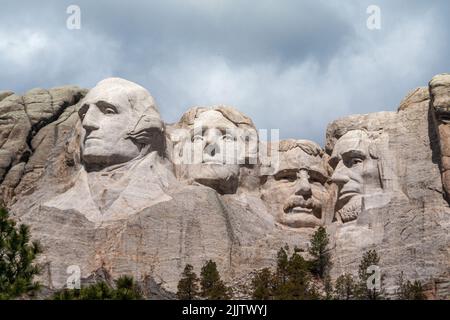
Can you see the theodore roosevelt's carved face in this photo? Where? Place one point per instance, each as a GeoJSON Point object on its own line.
{"type": "Point", "coordinates": [297, 190]}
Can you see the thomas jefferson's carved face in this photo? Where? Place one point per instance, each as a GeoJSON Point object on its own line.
{"type": "Point", "coordinates": [213, 141]}
{"type": "Point", "coordinates": [297, 190]}
{"type": "Point", "coordinates": [211, 144]}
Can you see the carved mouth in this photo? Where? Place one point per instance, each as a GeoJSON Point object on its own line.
{"type": "Point", "coordinates": [92, 138]}
{"type": "Point", "coordinates": [300, 209]}
{"type": "Point", "coordinates": [212, 162]}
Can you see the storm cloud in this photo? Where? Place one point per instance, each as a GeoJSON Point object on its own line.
{"type": "Point", "coordinates": [292, 65]}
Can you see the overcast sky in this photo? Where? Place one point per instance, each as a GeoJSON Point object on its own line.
{"type": "Point", "coordinates": [293, 65]}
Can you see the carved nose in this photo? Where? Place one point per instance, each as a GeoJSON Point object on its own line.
{"type": "Point", "coordinates": [211, 137]}
{"type": "Point", "coordinates": [211, 149]}
{"type": "Point", "coordinates": [340, 177]}
{"type": "Point", "coordinates": [90, 122]}
{"type": "Point", "coordinates": [303, 187]}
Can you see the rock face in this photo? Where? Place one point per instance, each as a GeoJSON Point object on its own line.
{"type": "Point", "coordinates": [106, 185]}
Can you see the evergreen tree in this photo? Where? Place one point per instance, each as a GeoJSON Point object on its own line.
{"type": "Point", "coordinates": [125, 289]}
{"type": "Point", "coordinates": [370, 258]}
{"type": "Point", "coordinates": [320, 253]}
{"type": "Point", "coordinates": [345, 287]}
{"type": "Point", "coordinates": [263, 285]}
{"type": "Point", "coordinates": [292, 280]}
{"type": "Point", "coordinates": [212, 287]}
{"type": "Point", "coordinates": [409, 290]}
{"type": "Point", "coordinates": [17, 255]}
{"type": "Point", "coordinates": [298, 278]}
{"type": "Point", "coordinates": [328, 288]}
{"type": "Point", "coordinates": [188, 284]}
{"type": "Point", "coordinates": [282, 266]}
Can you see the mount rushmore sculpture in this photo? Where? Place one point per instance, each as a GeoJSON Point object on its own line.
{"type": "Point", "coordinates": [105, 183]}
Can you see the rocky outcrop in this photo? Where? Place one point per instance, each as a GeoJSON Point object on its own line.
{"type": "Point", "coordinates": [106, 186]}
{"type": "Point", "coordinates": [29, 129]}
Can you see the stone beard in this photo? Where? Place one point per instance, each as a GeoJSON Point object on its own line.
{"type": "Point", "coordinates": [214, 147]}
{"type": "Point", "coordinates": [297, 190]}
{"type": "Point", "coordinates": [356, 163]}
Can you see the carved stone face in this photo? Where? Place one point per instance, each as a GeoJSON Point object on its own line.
{"type": "Point", "coordinates": [213, 142]}
{"type": "Point", "coordinates": [440, 98]}
{"type": "Point", "coordinates": [109, 113]}
{"type": "Point", "coordinates": [297, 191]}
{"type": "Point", "coordinates": [356, 172]}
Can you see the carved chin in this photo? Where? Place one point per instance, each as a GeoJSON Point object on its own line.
{"type": "Point", "coordinates": [222, 178]}
{"type": "Point", "coordinates": [300, 220]}
{"type": "Point", "coordinates": [98, 158]}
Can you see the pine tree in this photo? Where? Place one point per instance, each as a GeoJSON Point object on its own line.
{"type": "Point", "coordinates": [212, 287]}
{"type": "Point", "coordinates": [345, 287]}
{"type": "Point", "coordinates": [188, 284]}
{"type": "Point", "coordinates": [125, 289]}
{"type": "Point", "coordinates": [263, 285]}
{"type": "Point", "coordinates": [328, 288]}
{"type": "Point", "coordinates": [320, 253]}
{"type": "Point", "coordinates": [292, 278]}
{"type": "Point", "coordinates": [409, 290]}
{"type": "Point", "coordinates": [282, 266]}
{"type": "Point", "coordinates": [298, 285]}
{"type": "Point", "coordinates": [370, 258]}
{"type": "Point", "coordinates": [17, 255]}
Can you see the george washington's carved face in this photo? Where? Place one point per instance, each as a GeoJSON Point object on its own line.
{"type": "Point", "coordinates": [109, 113]}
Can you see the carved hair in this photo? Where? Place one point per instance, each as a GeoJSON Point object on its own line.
{"type": "Point", "coordinates": [239, 119]}
{"type": "Point", "coordinates": [309, 147]}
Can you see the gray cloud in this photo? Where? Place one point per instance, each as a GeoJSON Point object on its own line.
{"type": "Point", "coordinates": [293, 65]}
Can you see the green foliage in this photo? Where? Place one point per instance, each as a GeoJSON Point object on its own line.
{"type": "Point", "coordinates": [345, 287]}
{"type": "Point", "coordinates": [125, 289]}
{"type": "Point", "coordinates": [263, 285]}
{"type": "Point", "coordinates": [328, 288]}
{"type": "Point", "coordinates": [409, 290]}
{"type": "Point", "coordinates": [321, 261]}
{"type": "Point", "coordinates": [370, 258]}
{"type": "Point", "coordinates": [282, 266]}
{"type": "Point", "coordinates": [17, 255]}
{"type": "Point", "coordinates": [212, 287]}
{"type": "Point", "coordinates": [188, 284]}
{"type": "Point", "coordinates": [292, 278]}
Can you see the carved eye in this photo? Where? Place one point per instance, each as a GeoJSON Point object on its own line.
{"type": "Point", "coordinates": [83, 110]}
{"type": "Point", "coordinates": [355, 161]}
{"type": "Point", "coordinates": [106, 108]}
{"type": "Point", "coordinates": [227, 137]}
{"type": "Point", "coordinates": [109, 111]}
{"type": "Point", "coordinates": [197, 138]}
{"type": "Point", "coordinates": [287, 176]}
